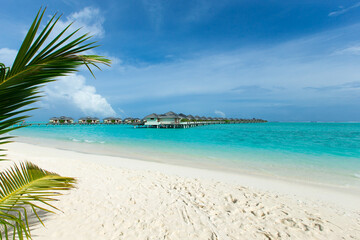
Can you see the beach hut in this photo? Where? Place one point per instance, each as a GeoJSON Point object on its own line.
{"type": "Point", "coordinates": [197, 118]}
{"type": "Point", "coordinates": [61, 120]}
{"type": "Point", "coordinates": [183, 118]}
{"type": "Point", "coordinates": [151, 119]}
{"type": "Point", "coordinates": [190, 118]}
{"type": "Point", "coordinates": [169, 118]}
{"type": "Point", "coordinates": [66, 120]}
{"type": "Point", "coordinates": [182, 115]}
{"type": "Point", "coordinates": [90, 120]}
{"type": "Point", "coordinates": [128, 120]}
{"type": "Point", "coordinates": [54, 120]}
{"type": "Point", "coordinates": [136, 120]}
{"type": "Point", "coordinates": [112, 120]}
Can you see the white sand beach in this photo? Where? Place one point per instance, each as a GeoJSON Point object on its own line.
{"type": "Point", "coordinates": [119, 198]}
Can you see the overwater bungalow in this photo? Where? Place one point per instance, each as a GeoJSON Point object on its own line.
{"type": "Point", "coordinates": [128, 120]}
{"type": "Point", "coordinates": [167, 118]}
{"type": "Point", "coordinates": [151, 119]}
{"type": "Point", "coordinates": [182, 115]}
{"type": "Point", "coordinates": [136, 120]}
{"type": "Point", "coordinates": [190, 118]}
{"type": "Point", "coordinates": [89, 120]}
{"type": "Point", "coordinates": [54, 120]}
{"type": "Point", "coordinates": [61, 120]}
{"type": "Point", "coordinates": [112, 120]}
{"type": "Point", "coordinates": [173, 120]}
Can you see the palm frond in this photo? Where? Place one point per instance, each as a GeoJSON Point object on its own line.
{"type": "Point", "coordinates": [27, 185]}
{"type": "Point", "coordinates": [36, 65]}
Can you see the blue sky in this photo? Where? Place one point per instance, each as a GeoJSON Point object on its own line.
{"type": "Point", "coordinates": [277, 60]}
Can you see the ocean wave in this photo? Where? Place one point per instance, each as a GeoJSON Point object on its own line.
{"type": "Point", "coordinates": [86, 141]}
{"type": "Point", "coordinates": [357, 175]}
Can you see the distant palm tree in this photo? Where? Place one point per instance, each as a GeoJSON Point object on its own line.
{"type": "Point", "coordinates": [25, 187]}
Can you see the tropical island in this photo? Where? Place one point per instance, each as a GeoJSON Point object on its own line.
{"type": "Point", "coordinates": [229, 179]}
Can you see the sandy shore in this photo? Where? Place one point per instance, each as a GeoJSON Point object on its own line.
{"type": "Point", "coordinates": [119, 198]}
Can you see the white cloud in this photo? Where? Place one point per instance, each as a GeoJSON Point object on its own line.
{"type": "Point", "coordinates": [7, 56]}
{"type": "Point", "coordinates": [343, 10]}
{"type": "Point", "coordinates": [220, 113]}
{"type": "Point", "coordinates": [89, 19]}
{"type": "Point", "coordinates": [74, 91]}
{"type": "Point", "coordinates": [353, 50]}
{"type": "Point", "coordinates": [277, 73]}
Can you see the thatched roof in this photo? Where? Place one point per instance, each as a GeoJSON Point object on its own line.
{"type": "Point", "coordinates": [169, 115]}
{"type": "Point", "coordinates": [62, 118]}
{"type": "Point", "coordinates": [89, 118]}
{"type": "Point", "coordinates": [112, 118]}
{"type": "Point", "coordinates": [153, 115]}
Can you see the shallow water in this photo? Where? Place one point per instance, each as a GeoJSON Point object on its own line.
{"type": "Point", "coordinates": [324, 153]}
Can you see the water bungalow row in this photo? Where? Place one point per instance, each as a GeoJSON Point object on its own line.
{"type": "Point", "coordinates": [166, 120]}
{"type": "Point", "coordinates": [174, 120]}
{"type": "Point", "coordinates": [93, 120]}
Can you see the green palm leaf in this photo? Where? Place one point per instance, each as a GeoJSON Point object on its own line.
{"type": "Point", "coordinates": [36, 65]}
{"type": "Point", "coordinates": [22, 186]}
{"type": "Point", "coordinates": [27, 186]}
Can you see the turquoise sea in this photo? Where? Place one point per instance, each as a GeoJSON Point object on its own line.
{"type": "Point", "coordinates": [321, 153]}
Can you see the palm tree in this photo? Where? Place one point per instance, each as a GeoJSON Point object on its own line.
{"type": "Point", "coordinates": [25, 187]}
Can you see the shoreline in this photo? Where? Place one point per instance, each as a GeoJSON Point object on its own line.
{"type": "Point", "coordinates": [120, 198]}
{"type": "Point", "coordinates": [178, 161]}
{"type": "Point", "coordinates": [308, 190]}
